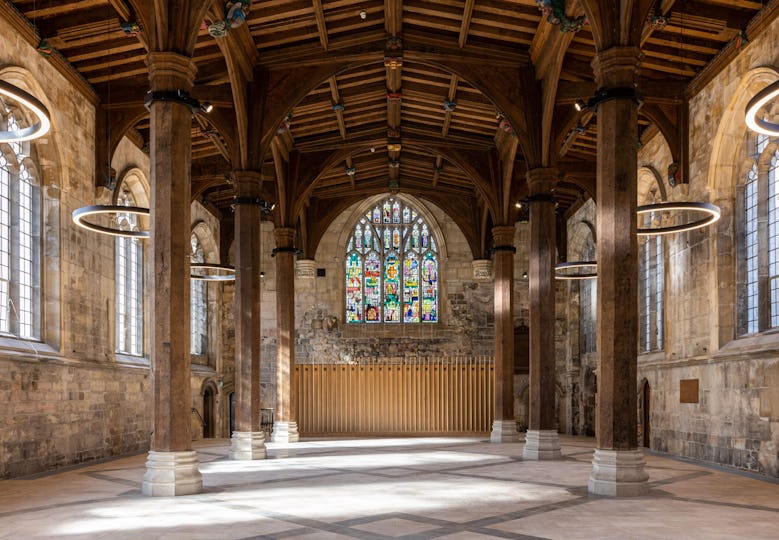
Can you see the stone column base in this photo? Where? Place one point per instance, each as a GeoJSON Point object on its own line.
{"type": "Point", "coordinates": [285, 432]}
{"type": "Point", "coordinates": [169, 474]}
{"type": "Point", "coordinates": [504, 431]}
{"type": "Point", "coordinates": [618, 473]}
{"type": "Point", "coordinates": [541, 444]}
{"type": "Point", "coordinates": [247, 445]}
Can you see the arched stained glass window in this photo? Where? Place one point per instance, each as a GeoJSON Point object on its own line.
{"type": "Point", "coordinates": [391, 267]}
{"type": "Point", "coordinates": [198, 305]}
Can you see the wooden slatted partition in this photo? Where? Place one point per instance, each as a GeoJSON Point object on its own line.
{"type": "Point", "coordinates": [396, 396]}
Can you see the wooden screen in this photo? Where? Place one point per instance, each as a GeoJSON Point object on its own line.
{"type": "Point", "coordinates": [396, 397]}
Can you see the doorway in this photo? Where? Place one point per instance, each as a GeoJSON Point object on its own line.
{"type": "Point", "coordinates": [209, 413]}
{"type": "Point", "coordinates": [645, 414]}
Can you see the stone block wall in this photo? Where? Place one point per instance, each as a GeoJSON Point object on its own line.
{"type": "Point", "coordinates": [57, 413]}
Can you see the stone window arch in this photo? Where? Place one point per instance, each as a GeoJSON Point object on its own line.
{"type": "Point", "coordinates": [20, 234]}
{"type": "Point", "coordinates": [651, 266]}
{"type": "Point", "coordinates": [758, 236]}
{"type": "Point", "coordinates": [392, 266]}
{"type": "Point", "coordinates": [129, 269]}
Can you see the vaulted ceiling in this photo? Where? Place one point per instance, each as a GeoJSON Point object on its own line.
{"type": "Point", "coordinates": [408, 95]}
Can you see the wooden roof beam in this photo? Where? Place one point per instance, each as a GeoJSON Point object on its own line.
{"type": "Point", "coordinates": [393, 17]}
{"type": "Point", "coordinates": [466, 24]}
{"type": "Point", "coordinates": [319, 13]}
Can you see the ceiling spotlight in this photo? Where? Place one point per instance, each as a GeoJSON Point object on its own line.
{"type": "Point", "coordinates": [580, 105]}
{"type": "Point", "coordinates": [363, 15]}
{"type": "Point", "coordinates": [206, 107]}
{"type": "Point", "coordinates": [373, 149]}
{"type": "Point", "coordinates": [518, 205]}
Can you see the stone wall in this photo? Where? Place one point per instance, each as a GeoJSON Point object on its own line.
{"type": "Point", "coordinates": [57, 413]}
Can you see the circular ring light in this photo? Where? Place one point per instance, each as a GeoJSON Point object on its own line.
{"type": "Point", "coordinates": [43, 121]}
{"type": "Point", "coordinates": [591, 266]}
{"type": "Point", "coordinates": [753, 107]}
{"type": "Point", "coordinates": [711, 212]}
{"type": "Point", "coordinates": [211, 272]}
{"type": "Point", "coordinates": [80, 215]}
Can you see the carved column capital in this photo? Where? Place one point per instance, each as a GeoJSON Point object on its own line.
{"type": "Point", "coordinates": [170, 71]}
{"type": "Point", "coordinates": [247, 183]}
{"type": "Point", "coordinates": [503, 235]}
{"type": "Point", "coordinates": [540, 181]}
{"type": "Point", "coordinates": [616, 67]}
{"type": "Point", "coordinates": [285, 237]}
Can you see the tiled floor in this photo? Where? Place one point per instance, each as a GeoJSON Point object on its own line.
{"type": "Point", "coordinates": [390, 488]}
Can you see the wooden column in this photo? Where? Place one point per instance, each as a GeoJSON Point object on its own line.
{"type": "Point", "coordinates": [618, 467]}
{"type": "Point", "coordinates": [541, 441]}
{"type": "Point", "coordinates": [504, 426]}
{"type": "Point", "coordinates": [248, 441]}
{"type": "Point", "coordinates": [171, 468]}
{"type": "Point", "coordinates": [285, 427]}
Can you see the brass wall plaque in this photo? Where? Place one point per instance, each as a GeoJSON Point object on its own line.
{"type": "Point", "coordinates": [688, 391]}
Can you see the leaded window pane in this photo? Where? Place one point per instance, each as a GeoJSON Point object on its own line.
{"type": "Point", "coordinates": [391, 268]}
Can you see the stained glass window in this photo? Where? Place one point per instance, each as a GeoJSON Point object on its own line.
{"type": "Point", "coordinates": [392, 267]}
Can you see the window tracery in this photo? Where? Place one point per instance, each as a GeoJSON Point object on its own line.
{"type": "Point", "coordinates": [392, 267]}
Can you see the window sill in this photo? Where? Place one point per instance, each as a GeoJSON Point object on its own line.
{"type": "Point", "coordinates": [132, 360]}
{"type": "Point", "coordinates": [15, 346]}
{"type": "Point", "coordinates": [753, 345]}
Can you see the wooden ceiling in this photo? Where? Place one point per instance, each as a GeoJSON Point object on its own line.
{"type": "Point", "coordinates": [394, 118]}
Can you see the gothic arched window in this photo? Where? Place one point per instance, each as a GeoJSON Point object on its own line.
{"type": "Point", "coordinates": [392, 267]}
{"type": "Point", "coordinates": [198, 304]}
{"type": "Point", "coordinates": [651, 284]}
{"type": "Point", "coordinates": [588, 307]}
{"type": "Point", "coordinates": [129, 282]}
{"type": "Point", "coordinates": [758, 249]}
{"type": "Point", "coordinates": [19, 237]}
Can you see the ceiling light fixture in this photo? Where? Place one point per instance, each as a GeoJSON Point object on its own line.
{"type": "Point", "coordinates": [561, 269]}
{"type": "Point", "coordinates": [43, 121]}
{"type": "Point", "coordinates": [761, 125]}
{"type": "Point", "coordinates": [711, 211]}
{"type": "Point", "coordinates": [80, 215]}
{"type": "Point", "coordinates": [211, 272]}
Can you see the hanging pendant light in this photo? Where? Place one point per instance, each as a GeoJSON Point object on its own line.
{"type": "Point", "coordinates": [761, 125]}
{"type": "Point", "coordinates": [80, 215]}
{"type": "Point", "coordinates": [211, 272]}
{"type": "Point", "coordinates": [584, 269]}
{"type": "Point", "coordinates": [710, 211]}
{"type": "Point", "coordinates": [42, 122]}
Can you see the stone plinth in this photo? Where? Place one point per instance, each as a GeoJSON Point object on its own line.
{"type": "Point", "coordinates": [169, 474]}
{"type": "Point", "coordinates": [504, 431]}
{"type": "Point", "coordinates": [618, 473]}
{"type": "Point", "coordinates": [285, 432]}
{"type": "Point", "coordinates": [541, 444]}
{"type": "Point", "coordinates": [305, 269]}
{"type": "Point", "coordinates": [482, 269]}
{"type": "Point", "coordinates": [247, 445]}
